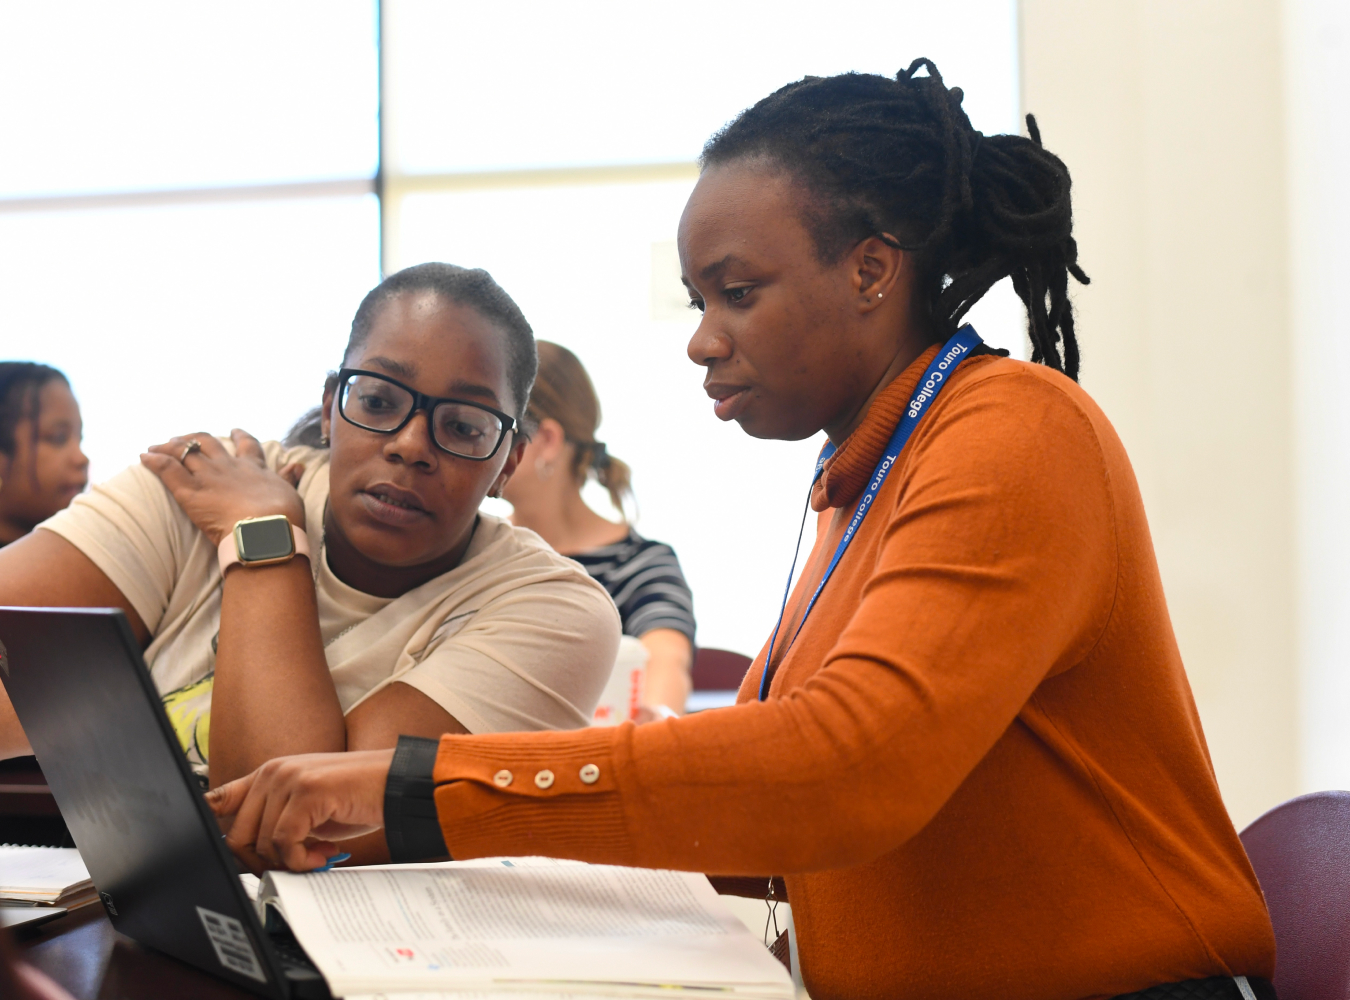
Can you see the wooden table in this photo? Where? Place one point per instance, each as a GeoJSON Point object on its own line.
{"type": "Point", "coordinates": [83, 953]}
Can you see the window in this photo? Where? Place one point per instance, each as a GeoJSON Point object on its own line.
{"type": "Point", "coordinates": [190, 213]}
{"type": "Point", "coordinates": [187, 207]}
{"type": "Point", "coordinates": [557, 152]}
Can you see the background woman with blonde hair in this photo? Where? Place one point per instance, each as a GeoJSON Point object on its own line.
{"type": "Point", "coordinates": [642, 576]}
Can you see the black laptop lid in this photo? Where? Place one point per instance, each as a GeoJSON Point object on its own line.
{"type": "Point", "coordinates": [153, 848]}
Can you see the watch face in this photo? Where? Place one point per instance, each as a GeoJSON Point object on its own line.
{"type": "Point", "coordinates": [266, 538]}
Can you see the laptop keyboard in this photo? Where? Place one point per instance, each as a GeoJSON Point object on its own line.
{"type": "Point", "coordinates": [292, 956]}
{"type": "Point", "coordinates": [304, 979]}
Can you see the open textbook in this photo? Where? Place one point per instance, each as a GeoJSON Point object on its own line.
{"type": "Point", "coordinates": [522, 925]}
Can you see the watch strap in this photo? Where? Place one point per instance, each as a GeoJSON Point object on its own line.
{"type": "Point", "coordinates": [227, 553]}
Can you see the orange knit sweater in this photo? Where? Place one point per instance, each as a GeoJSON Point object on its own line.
{"type": "Point", "coordinates": [979, 765]}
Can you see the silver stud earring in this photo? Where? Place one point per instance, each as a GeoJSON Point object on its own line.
{"type": "Point", "coordinates": [880, 295]}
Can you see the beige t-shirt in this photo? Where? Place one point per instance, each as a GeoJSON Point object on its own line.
{"type": "Point", "coordinates": [515, 637]}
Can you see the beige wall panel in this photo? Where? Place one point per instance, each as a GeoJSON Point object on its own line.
{"type": "Point", "coordinates": [1169, 116]}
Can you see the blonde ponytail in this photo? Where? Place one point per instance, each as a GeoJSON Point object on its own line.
{"type": "Point", "coordinates": [611, 473]}
{"type": "Point", "coordinates": [563, 391]}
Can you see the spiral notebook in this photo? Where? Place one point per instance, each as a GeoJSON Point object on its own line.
{"type": "Point", "coordinates": [44, 876]}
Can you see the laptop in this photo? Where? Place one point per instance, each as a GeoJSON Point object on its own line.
{"type": "Point", "coordinates": [133, 806]}
{"type": "Point", "coordinates": [25, 916]}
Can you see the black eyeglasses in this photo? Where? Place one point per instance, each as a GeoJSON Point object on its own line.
{"type": "Point", "coordinates": [380, 404]}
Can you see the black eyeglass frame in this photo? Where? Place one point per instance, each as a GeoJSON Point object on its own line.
{"type": "Point", "coordinates": [425, 403]}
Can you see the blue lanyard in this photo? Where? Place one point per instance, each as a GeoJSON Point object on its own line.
{"type": "Point", "coordinates": [953, 352]}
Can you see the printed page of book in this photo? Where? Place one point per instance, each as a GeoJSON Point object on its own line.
{"type": "Point", "coordinates": [509, 924]}
{"type": "Point", "coordinates": [613, 993]}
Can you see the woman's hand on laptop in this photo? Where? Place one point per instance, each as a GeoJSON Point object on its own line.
{"type": "Point", "coordinates": [289, 812]}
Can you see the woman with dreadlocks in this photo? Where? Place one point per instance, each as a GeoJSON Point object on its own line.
{"type": "Point", "coordinates": [969, 744]}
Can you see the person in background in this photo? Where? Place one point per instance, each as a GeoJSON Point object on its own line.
{"type": "Point", "coordinates": [42, 467]}
{"type": "Point", "coordinates": [381, 602]}
{"type": "Point", "coordinates": [643, 576]}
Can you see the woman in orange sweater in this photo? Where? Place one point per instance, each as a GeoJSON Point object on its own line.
{"type": "Point", "coordinates": [970, 746]}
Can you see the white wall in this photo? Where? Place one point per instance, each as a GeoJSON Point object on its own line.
{"type": "Point", "coordinates": [1171, 118]}
{"type": "Point", "coordinates": [1316, 55]}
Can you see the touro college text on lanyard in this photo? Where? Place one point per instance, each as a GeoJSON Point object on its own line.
{"type": "Point", "coordinates": [953, 352]}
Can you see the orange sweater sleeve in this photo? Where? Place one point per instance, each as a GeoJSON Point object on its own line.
{"type": "Point", "coordinates": [992, 565]}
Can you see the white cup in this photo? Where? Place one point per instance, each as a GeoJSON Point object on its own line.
{"type": "Point", "coordinates": [623, 694]}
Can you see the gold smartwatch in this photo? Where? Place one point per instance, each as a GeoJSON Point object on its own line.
{"type": "Point", "coordinates": [262, 541]}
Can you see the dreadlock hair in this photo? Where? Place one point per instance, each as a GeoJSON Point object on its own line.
{"type": "Point", "coordinates": [899, 159]}
{"type": "Point", "coordinates": [464, 286]}
{"type": "Point", "coordinates": [21, 384]}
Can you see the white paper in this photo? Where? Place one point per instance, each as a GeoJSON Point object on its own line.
{"type": "Point", "coordinates": [492, 994]}
{"type": "Point", "coordinates": [499, 995]}
{"type": "Point", "coordinates": [522, 926]}
{"type": "Point", "coordinates": [41, 873]}
{"type": "Point", "coordinates": [252, 885]}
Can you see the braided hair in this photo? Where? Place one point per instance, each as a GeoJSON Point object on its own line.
{"type": "Point", "coordinates": [899, 159]}
{"type": "Point", "coordinates": [21, 385]}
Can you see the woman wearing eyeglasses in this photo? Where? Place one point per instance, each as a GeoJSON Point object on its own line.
{"type": "Point", "coordinates": [333, 596]}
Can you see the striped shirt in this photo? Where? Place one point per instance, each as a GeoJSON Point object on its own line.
{"type": "Point", "coordinates": [645, 580]}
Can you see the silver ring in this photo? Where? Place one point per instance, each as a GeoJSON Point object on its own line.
{"type": "Point", "coordinates": [193, 445]}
